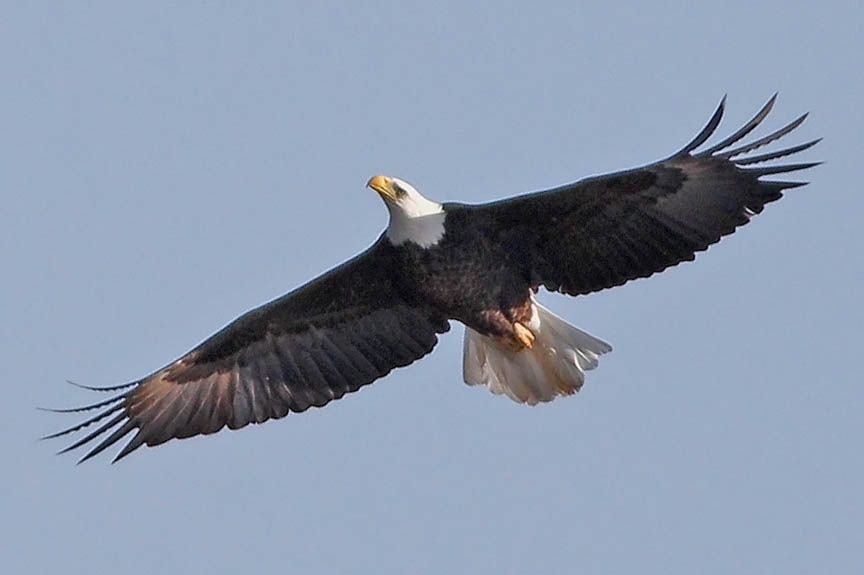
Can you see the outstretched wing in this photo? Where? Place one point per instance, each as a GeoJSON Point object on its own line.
{"type": "Point", "coordinates": [604, 231]}
{"type": "Point", "coordinates": [330, 337]}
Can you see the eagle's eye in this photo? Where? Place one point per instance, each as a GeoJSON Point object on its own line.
{"type": "Point", "coordinates": [400, 191]}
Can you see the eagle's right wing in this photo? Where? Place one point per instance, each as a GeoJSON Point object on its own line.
{"type": "Point", "coordinates": [604, 231]}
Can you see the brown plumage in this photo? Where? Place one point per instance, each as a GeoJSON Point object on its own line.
{"type": "Point", "coordinates": [478, 264]}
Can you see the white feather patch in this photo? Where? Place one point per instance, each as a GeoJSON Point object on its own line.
{"type": "Point", "coordinates": [425, 231]}
{"type": "Point", "coordinates": [555, 365]}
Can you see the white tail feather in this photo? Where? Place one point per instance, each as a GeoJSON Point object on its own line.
{"type": "Point", "coordinates": [555, 365]}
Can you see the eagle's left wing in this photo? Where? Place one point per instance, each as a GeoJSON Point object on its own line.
{"type": "Point", "coordinates": [330, 337]}
{"type": "Point", "coordinates": [604, 231]}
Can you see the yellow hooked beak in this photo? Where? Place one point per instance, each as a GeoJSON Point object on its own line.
{"type": "Point", "coordinates": [384, 186]}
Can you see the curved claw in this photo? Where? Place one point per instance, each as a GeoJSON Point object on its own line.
{"type": "Point", "coordinates": [524, 335]}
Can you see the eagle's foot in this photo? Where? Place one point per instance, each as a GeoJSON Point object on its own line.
{"type": "Point", "coordinates": [524, 336]}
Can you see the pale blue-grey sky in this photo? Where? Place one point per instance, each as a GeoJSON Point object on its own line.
{"type": "Point", "coordinates": [168, 166]}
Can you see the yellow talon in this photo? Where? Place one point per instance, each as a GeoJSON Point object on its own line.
{"type": "Point", "coordinates": [524, 335]}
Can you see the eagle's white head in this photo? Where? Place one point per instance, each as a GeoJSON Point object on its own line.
{"type": "Point", "coordinates": [413, 218]}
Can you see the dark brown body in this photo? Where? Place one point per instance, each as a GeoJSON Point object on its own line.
{"type": "Point", "coordinates": [469, 276]}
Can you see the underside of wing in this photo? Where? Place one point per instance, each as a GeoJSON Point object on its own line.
{"type": "Point", "coordinates": [607, 230]}
{"type": "Point", "coordinates": [328, 338]}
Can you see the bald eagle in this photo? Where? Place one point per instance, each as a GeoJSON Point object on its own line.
{"type": "Point", "coordinates": [481, 265]}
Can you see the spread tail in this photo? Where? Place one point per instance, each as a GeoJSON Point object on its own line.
{"type": "Point", "coordinates": [555, 365]}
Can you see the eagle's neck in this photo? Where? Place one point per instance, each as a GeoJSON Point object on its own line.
{"type": "Point", "coordinates": [420, 222]}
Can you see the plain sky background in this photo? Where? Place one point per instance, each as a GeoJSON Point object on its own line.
{"type": "Point", "coordinates": [167, 166]}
